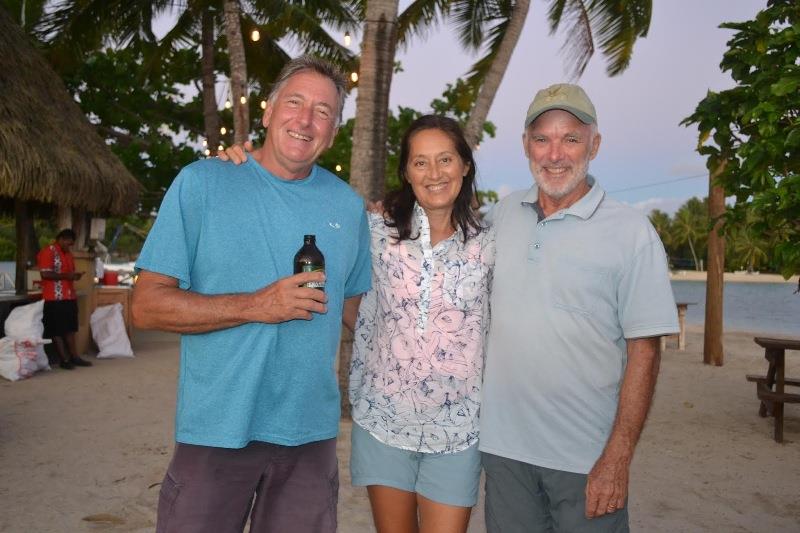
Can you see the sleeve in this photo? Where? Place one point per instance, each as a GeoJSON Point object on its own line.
{"type": "Point", "coordinates": [358, 281]}
{"type": "Point", "coordinates": [44, 259]}
{"type": "Point", "coordinates": [646, 303]}
{"type": "Point", "coordinates": [171, 245]}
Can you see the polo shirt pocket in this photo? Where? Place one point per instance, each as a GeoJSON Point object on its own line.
{"type": "Point", "coordinates": [580, 286]}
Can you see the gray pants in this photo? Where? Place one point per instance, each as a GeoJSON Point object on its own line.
{"type": "Point", "coordinates": [280, 488]}
{"type": "Point", "coordinates": [524, 498]}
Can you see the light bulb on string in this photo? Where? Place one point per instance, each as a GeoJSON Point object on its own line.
{"type": "Point", "coordinates": [243, 100]}
{"type": "Point", "coordinates": [338, 168]}
{"type": "Point", "coordinates": [205, 142]}
{"type": "Point", "coordinates": [255, 35]}
{"type": "Point", "coordinates": [354, 77]}
{"type": "Point", "coordinates": [220, 148]}
{"type": "Point", "coordinates": [223, 130]}
{"type": "Point", "coordinates": [207, 152]}
{"type": "Point", "coordinates": [228, 104]}
{"type": "Point", "coordinates": [347, 38]}
{"type": "Point", "coordinates": [263, 104]}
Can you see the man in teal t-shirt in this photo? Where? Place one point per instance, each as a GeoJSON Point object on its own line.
{"type": "Point", "coordinates": [258, 399]}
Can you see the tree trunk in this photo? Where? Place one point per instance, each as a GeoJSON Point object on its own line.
{"type": "Point", "coordinates": [712, 337]}
{"type": "Point", "coordinates": [233, 31]}
{"type": "Point", "coordinates": [697, 265]}
{"type": "Point", "coordinates": [210, 112]}
{"type": "Point", "coordinates": [368, 160]}
{"type": "Point", "coordinates": [22, 220]}
{"type": "Point", "coordinates": [495, 74]}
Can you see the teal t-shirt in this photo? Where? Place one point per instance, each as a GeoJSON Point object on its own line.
{"type": "Point", "coordinates": [230, 229]}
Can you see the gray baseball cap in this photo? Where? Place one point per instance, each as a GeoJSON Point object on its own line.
{"type": "Point", "coordinates": [564, 96]}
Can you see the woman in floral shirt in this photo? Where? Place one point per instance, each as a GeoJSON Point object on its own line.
{"type": "Point", "coordinates": [415, 378]}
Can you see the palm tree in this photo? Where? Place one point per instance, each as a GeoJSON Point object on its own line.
{"type": "Point", "coordinates": [378, 46]}
{"type": "Point", "coordinates": [77, 26]}
{"type": "Point", "coordinates": [614, 24]}
{"type": "Point", "coordinates": [233, 32]}
{"type": "Point", "coordinates": [663, 226]}
{"type": "Point", "coordinates": [690, 226]}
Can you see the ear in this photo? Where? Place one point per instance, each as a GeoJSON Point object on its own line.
{"type": "Point", "coordinates": [267, 115]}
{"type": "Point", "coordinates": [333, 137]}
{"type": "Point", "coordinates": [525, 144]}
{"type": "Point", "coordinates": [595, 146]}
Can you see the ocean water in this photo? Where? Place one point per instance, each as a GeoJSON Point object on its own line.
{"type": "Point", "coordinates": [756, 307]}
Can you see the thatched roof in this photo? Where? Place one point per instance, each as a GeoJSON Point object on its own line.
{"type": "Point", "coordinates": [49, 152]}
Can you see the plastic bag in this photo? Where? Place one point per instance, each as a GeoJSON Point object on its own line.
{"type": "Point", "coordinates": [109, 333]}
{"type": "Point", "coordinates": [24, 323]}
{"type": "Point", "coordinates": [20, 359]}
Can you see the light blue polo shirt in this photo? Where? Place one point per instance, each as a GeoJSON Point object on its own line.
{"type": "Point", "coordinates": [231, 229]}
{"type": "Point", "coordinates": [568, 290]}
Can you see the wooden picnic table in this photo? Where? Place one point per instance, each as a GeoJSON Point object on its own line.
{"type": "Point", "coordinates": [682, 306]}
{"type": "Point", "coordinates": [771, 389]}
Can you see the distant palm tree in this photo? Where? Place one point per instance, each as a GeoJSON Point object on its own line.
{"type": "Point", "coordinates": [663, 226]}
{"type": "Point", "coordinates": [690, 226]}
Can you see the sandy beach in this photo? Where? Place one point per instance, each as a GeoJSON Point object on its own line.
{"type": "Point", "coordinates": [738, 277]}
{"type": "Point", "coordinates": [86, 450]}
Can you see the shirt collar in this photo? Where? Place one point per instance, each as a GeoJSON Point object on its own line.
{"type": "Point", "coordinates": [420, 222]}
{"type": "Point", "coordinates": [584, 208]}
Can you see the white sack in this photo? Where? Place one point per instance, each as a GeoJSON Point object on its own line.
{"type": "Point", "coordinates": [108, 332]}
{"type": "Point", "coordinates": [25, 323]}
{"type": "Point", "coordinates": [19, 358]}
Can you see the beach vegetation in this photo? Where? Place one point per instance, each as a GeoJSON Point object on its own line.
{"type": "Point", "coordinates": [750, 134]}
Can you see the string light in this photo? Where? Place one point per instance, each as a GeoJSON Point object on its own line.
{"type": "Point", "coordinates": [228, 104]}
{"type": "Point", "coordinates": [205, 142]}
{"type": "Point", "coordinates": [347, 38]}
{"type": "Point", "coordinates": [207, 152]}
{"type": "Point", "coordinates": [243, 100]}
{"type": "Point", "coordinates": [263, 104]}
{"type": "Point", "coordinates": [220, 148]}
{"type": "Point", "coordinates": [354, 77]}
{"type": "Point", "coordinates": [255, 36]}
{"type": "Point", "coordinates": [338, 168]}
{"type": "Point", "coordinates": [223, 130]}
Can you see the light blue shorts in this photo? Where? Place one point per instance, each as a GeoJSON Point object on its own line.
{"type": "Point", "coordinates": [448, 478]}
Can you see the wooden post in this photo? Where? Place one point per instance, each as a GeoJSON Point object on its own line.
{"type": "Point", "coordinates": [22, 224]}
{"type": "Point", "coordinates": [712, 339]}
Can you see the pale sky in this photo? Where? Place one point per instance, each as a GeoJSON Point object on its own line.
{"type": "Point", "coordinates": [638, 112]}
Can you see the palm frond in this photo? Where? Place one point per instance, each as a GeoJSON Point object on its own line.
{"type": "Point", "coordinates": [470, 18]}
{"type": "Point", "coordinates": [613, 24]}
{"type": "Point", "coordinates": [419, 18]}
{"type": "Point", "coordinates": [303, 28]}
{"type": "Point", "coordinates": [478, 71]}
{"type": "Point", "coordinates": [579, 44]}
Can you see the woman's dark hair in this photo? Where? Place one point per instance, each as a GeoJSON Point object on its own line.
{"type": "Point", "coordinates": [399, 205]}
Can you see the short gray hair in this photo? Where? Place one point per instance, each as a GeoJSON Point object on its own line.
{"type": "Point", "coordinates": [317, 65]}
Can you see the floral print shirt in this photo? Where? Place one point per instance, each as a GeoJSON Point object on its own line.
{"type": "Point", "coordinates": [415, 376]}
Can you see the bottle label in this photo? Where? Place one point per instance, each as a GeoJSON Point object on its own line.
{"type": "Point", "coordinates": [314, 284]}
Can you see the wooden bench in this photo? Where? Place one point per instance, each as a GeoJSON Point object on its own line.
{"type": "Point", "coordinates": [682, 306]}
{"type": "Point", "coordinates": [772, 399]}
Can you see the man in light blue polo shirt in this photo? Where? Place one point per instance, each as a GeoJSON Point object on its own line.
{"type": "Point", "coordinates": [258, 399]}
{"type": "Point", "coordinates": [581, 294]}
